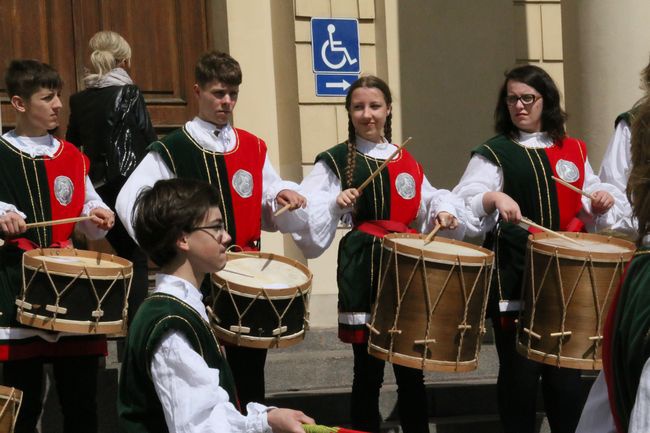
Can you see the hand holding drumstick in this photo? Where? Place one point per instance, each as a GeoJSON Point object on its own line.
{"type": "Point", "coordinates": [348, 197]}
{"type": "Point", "coordinates": [289, 200]}
{"type": "Point", "coordinates": [601, 201]}
{"type": "Point", "coordinates": [444, 220]}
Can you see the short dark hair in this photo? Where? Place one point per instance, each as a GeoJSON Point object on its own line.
{"type": "Point", "coordinates": [217, 66]}
{"type": "Point", "coordinates": [166, 211]}
{"type": "Point", "coordinates": [24, 77]}
{"type": "Point", "coordinates": [553, 117]}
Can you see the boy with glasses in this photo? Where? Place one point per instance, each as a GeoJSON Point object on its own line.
{"type": "Point", "coordinates": [174, 377]}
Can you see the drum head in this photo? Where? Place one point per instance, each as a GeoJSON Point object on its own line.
{"type": "Point", "coordinates": [256, 271]}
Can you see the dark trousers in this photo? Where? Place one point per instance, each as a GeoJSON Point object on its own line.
{"type": "Point", "coordinates": [368, 378]}
{"type": "Point", "coordinates": [518, 383]}
{"type": "Point", "coordinates": [126, 248]}
{"type": "Point", "coordinates": [247, 366]}
{"type": "Point", "coordinates": [75, 379]}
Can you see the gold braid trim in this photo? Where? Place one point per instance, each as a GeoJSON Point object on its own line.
{"type": "Point", "coordinates": [169, 155]}
{"type": "Point", "coordinates": [548, 193]}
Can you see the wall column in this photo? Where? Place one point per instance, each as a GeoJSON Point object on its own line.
{"type": "Point", "coordinates": [606, 44]}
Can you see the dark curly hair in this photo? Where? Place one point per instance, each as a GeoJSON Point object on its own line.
{"type": "Point", "coordinates": [553, 117]}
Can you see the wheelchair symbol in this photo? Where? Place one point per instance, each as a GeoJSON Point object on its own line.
{"type": "Point", "coordinates": [335, 47]}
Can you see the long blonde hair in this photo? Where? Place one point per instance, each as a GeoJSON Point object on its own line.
{"type": "Point", "coordinates": [109, 49]}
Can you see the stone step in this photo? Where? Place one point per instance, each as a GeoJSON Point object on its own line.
{"type": "Point", "coordinates": [322, 361]}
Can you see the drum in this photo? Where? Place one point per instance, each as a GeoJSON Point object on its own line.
{"type": "Point", "coordinates": [10, 399]}
{"type": "Point", "coordinates": [430, 307]}
{"type": "Point", "coordinates": [567, 290]}
{"type": "Point", "coordinates": [261, 300]}
{"type": "Point", "coordinates": [73, 290]}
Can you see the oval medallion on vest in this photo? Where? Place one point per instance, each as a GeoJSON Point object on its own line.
{"type": "Point", "coordinates": [405, 186]}
{"type": "Point", "coordinates": [242, 182]}
{"type": "Point", "coordinates": [567, 170]}
{"type": "Point", "coordinates": [63, 189]}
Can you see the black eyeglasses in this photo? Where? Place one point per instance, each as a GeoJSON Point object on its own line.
{"type": "Point", "coordinates": [218, 227]}
{"type": "Point", "coordinates": [526, 99]}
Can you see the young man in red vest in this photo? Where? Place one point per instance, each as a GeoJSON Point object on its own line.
{"type": "Point", "coordinates": [235, 161]}
{"type": "Point", "coordinates": [44, 178]}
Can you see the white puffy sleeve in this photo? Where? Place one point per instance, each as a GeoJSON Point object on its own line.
{"type": "Point", "coordinates": [432, 202]}
{"type": "Point", "coordinates": [481, 176]}
{"type": "Point", "coordinates": [321, 187]}
{"type": "Point", "coordinates": [147, 173]}
{"type": "Point", "coordinates": [272, 184]}
{"type": "Point", "coordinates": [190, 395]}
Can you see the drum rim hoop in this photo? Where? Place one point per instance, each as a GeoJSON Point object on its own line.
{"type": "Point", "coordinates": [32, 262]}
{"type": "Point", "coordinates": [571, 253]}
{"type": "Point", "coordinates": [5, 392]}
{"type": "Point", "coordinates": [389, 242]}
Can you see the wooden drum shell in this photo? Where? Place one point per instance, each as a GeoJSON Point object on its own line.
{"type": "Point", "coordinates": [568, 333]}
{"type": "Point", "coordinates": [108, 275]}
{"type": "Point", "coordinates": [403, 334]}
{"type": "Point", "coordinates": [10, 400]}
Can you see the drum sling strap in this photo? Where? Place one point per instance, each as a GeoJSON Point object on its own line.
{"type": "Point", "coordinates": [380, 228]}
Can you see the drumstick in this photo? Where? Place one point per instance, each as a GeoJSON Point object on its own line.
{"type": "Point", "coordinates": [282, 210]}
{"type": "Point", "coordinates": [381, 167]}
{"type": "Point", "coordinates": [433, 232]}
{"type": "Point", "coordinates": [56, 222]}
{"type": "Point", "coordinates": [571, 187]}
{"type": "Point", "coordinates": [526, 221]}
{"type": "Point", "coordinates": [238, 273]}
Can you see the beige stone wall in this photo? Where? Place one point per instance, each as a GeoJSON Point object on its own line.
{"type": "Point", "coordinates": [606, 46]}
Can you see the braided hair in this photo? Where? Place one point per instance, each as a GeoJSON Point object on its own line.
{"type": "Point", "coordinates": [369, 81]}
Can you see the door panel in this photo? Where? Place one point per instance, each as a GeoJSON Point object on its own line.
{"type": "Point", "coordinates": [166, 37]}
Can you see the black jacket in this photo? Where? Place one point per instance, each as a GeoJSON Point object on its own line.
{"type": "Point", "coordinates": [112, 126]}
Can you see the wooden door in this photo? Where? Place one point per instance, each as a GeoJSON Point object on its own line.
{"type": "Point", "coordinates": [166, 37]}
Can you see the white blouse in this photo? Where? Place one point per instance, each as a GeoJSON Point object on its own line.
{"type": "Point", "coordinates": [482, 176]}
{"type": "Point", "coordinates": [187, 387]}
{"type": "Point", "coordinates": [322, 186]}
{"type": "Point", "coordinates": [48, 145]}
{"type": "Point", "coordinates": [153, 168]}
{"type": "Point", "coordinates": [615, 170]}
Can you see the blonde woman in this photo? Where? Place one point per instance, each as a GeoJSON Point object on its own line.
{"type": "Point", "coordinates": [110, 122]}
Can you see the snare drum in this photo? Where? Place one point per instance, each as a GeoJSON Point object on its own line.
{"type": "Point", "coordinates": [10, 399]}
{"type": "Point", "coordinates": [568, 288]}
{"type": "Point", "coordinates": [430, 307]}
{"type": "Point", "coordinates": [73, 290]}
{"type": "Point", "coordinates": [260, 300]}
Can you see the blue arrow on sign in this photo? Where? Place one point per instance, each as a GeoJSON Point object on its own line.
{"type": "Point", "coordinates": [334, 85]}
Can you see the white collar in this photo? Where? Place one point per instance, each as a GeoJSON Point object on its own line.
{"type": "Point", "coordinates": [203, 133]}
{"type": "Point", "coordinates": [183, 290]}
{"type": "Point", "coordinates": [534, 139]}
{"type": "Point", "coordinates": [376, 150]}
{"type": "Point", "coordinates": [34, 146]}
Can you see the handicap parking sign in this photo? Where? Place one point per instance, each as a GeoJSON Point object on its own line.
{"type": "Point", "coordinates": [335, 45]}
